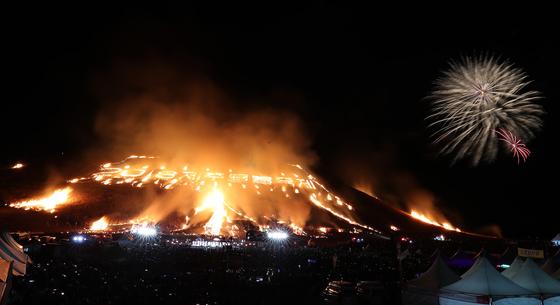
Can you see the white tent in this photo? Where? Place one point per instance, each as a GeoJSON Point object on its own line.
{"type": "Point", "coordinates": [530, 276]}
{"type": "Point", "coordinates": [514, 268]}
{"type": "Point", "coordinates": [425, 289]}
{"type": "Point", "coordinates": [473, 268]}
{"type": "Point", "coordinates": [5, 280]}
{"type": "Point", "coordinates": [485, 285]}
{"type": "Point", "coordinates": [10, 250]}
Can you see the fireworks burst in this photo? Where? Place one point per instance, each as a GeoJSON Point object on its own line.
{"type": "Point", "coordinates": [515, 145]}
{"type": "Point", "coordinates": [474, 98]}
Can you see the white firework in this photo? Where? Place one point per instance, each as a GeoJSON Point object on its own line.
{"type": "Point", "coordinates": [474, 98]}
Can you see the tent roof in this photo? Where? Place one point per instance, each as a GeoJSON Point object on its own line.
{"type": "Point", "coordinates": [557, 274]}
{"type": "Point", "coordinates": [437, 276]}
{"type": "Point", "coordinates": [483, 279]}
{"type": "Point", "coordinates": [482, 253]}
{"type": "Point", "coordinates": [556, 238]}
{"type": "Point", "coordinates": [514, 268]}
{"type": "Point", "coordinates": [473, 268]}
{"type": "Point", "coordinates": [530, 276]}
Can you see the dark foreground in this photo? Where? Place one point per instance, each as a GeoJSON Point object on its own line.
{"type": "Point", "coordinates": [163, 273]}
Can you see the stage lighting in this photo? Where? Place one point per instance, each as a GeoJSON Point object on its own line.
{"type": "Point", "coordinates": [277, 235]}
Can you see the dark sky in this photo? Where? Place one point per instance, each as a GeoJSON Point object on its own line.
{"type": "Point", "coordinates": [357, 75]}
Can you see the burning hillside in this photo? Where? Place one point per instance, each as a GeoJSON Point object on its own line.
{"type": "Point", "coordinates": [219, 197]}
{"type": "Point", "coordinates": [217, 166]}
{"type": "Point", "coordinates": [48, 203]}
{"type": "Point", "coordinates": [141, 191]}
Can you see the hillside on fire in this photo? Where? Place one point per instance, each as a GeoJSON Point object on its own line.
{"type": "Point", "coordinates": [139, 189]}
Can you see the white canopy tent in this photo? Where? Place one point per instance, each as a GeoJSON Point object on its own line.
{"type": "Point", "coordinates": [485, 285]}
{"type": "Point", "coordinates": [474, 267]}
{"type": "Point", "coordinates": [424, 290]}
{"type": "Point", "coordinates": [530, 276]}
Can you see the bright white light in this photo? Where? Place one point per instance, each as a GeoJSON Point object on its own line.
{"type": "Point", "coordinates": [144, 229]}
{"type": "Point", "coordinates": [208, 244]}
{"type": "Point", "coordinates": [78, 238]}
{"type": "Point", "coordinates": [17, 166]}
{"type": "Point", "coordinates": [277, 235]}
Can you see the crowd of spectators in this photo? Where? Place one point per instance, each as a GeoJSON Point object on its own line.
{"type": "Point", "coordinates": [162, 272]}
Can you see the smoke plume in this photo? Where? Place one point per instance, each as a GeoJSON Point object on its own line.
{"type": "Point", "coordinates": [189, 121]}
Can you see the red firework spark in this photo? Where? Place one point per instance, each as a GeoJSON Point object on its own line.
{"type": "Point", "coordinates": [516, 146]}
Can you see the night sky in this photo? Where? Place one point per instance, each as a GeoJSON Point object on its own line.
{"type": "Point", "coordinates": [357, 76]}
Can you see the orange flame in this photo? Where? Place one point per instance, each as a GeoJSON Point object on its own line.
{"type": "Point", "coordinates": [50, 203]}
{"type": "Point", "coordinates": [142, 171]}
{"type": "Point", "coordinates": [100, 225]}
{"type": "Point", "coordinates": [214, 201]}
{"type": "Point", "coordinates": [433, 222]}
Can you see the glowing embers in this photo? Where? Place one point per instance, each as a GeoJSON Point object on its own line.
{"type": "Point", "coordinates": [262, 180]}
{"type": "Point", "coordinates": [316, 201]}
{"type": "Point", "coordinates": [238, 178]}
{"type": "Point", "coordinates": [139, 172]}
{"type": "Point", "coordinates": [102, 224]}
{"type": "Point", "coordinates": [214, 201]}
{"type": "Point", "coordinates": [214, 176]}
{"type": "Point", "coordinates": [49, 203]}
{"type": "Point", "coordinates": [431, 221]}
